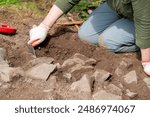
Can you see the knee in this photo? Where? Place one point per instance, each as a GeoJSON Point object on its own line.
{"type": "Point", "coordinates": [108, 44]}
{"type": "Point", "coordinates": [85, 37]}
{"type": "Point", "coordinates": [82, 34]}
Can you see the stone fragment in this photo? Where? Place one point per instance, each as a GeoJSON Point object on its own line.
{"type": "Point", "coordinates": [90, 61]}
{"type": "Point", "coordinates": [103, 95]}
{"type": "Point", "coordinates": [130, 78]}
{"type": "Point", "coordinates": [101, 76]}
{"type": "Point", "coordinates": [80, 56]}
{"type": "Point", "coordinates": [40, 71]}
{"type": "Point", "coordinates": [130, 94]}
{"type": "Point", "coordinates": [52, 84]}
{"type": "Point", "coordinates": [79, 67]}
{"type": "Point", "coordinates": [7, 74]}
{"type": "Point", "coordinates": [39, 60]}
{"type": "Point", "coordinates": [114, 89]}
{"type": "Point", "coordinates": [2, 54]}
{"type": "Point", "coordinates": [58, 65]}
{"type": "Point", "coordinates": [6, 86]}
{"type": "Point", "coordinates": [78, 59]}
{"type": "Point", "coordinates": [67, 75]}
{"type": "Point", "coordinates": [18, 71]}
{"type": "Point", "coordinates": [147, 81]}
{"type": "Point", "coordinates": [123, 66]}
{"type": "Point", "coordinates": [71, 62]}
{"type": "Point", "coordinates": [83, 85]}
{"type": "Point", "coordinates": [3, 64]}
{"type": "Point", "coordinates": [120, 69]}
{"type": "Point", "coordinates": [120, 85]}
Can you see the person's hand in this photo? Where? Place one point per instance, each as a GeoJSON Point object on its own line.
{"type": "Point", "coordinates": [38, 34]}
{"type": "Point", "coordinates": [146, 67]}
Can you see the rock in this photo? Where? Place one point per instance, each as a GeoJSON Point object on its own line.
{"type": "Point", "coordinates": [41, 71]}
{"type": "Point", "coordinates": [147, 81]}
{"type": "Point", "coordinates": [122, 67]}
{"type": "Point", "coordinates": [120, 85]}
{"type": "Point", "coordinates": [18, 71]}
{"type": "Point", "coordinates": [130, 94]}
{"type": "Point", "coordinates": [77, 64]}
{"type": "Point", "coordinates": [130, 78]}
{"type": "Point", "coordinates": [3, 64]}
{"type": "Point", "coordinates": [83, 85]}
{"type": "Point", "coordinates": [78, 59]}
{"type": "Point", "coordinates": [79, 67]}
{"type": "Point", "coordinates": [74, 95]}
{"type": "Point", "coordinates": [2, 54]}
{"type": "Point", "coordinates": [6, 74]}
{"type": "Point", "coordinates": [114, 89]}
{"type": "Point", "coordinates": [39, 60]}
{"type": "Point", "coordinates": [90, 61]}
{"type": "Point", "coordinates": [58, 65]}
{"type": "Point", "coordinates": [6, 86]}
{"type": "Point", "coordinates": [67, 75]}
{"type": "Point", "coordinates": [71, 62]}
{"type": "Point", "coordinates": [80, 56]}
{"type": "Point", "coordinates": [103, 95]}
{"type": "Point", "coordinates": [52, 84]}
{"type": "Point", "coordinates": [101, 76]}
{"type": "Point", "coordinates": [1, 84]}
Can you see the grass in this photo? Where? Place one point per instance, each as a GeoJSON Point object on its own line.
{"type": "Point", "coordinates": [84, 6]}
{"type": "Point", "coordinates": [22, 8]}
{"type": "Point", "coordinates": [9, 1]}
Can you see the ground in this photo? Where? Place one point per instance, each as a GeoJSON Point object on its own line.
{"type": "Point", "coordinates": [62, 42]}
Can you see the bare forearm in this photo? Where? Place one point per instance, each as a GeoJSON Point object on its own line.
{"type": "Point", "coordinates": [52, 16]}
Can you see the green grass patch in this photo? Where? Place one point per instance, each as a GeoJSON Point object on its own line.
{"type": "Point", "coordinates": [22, 8]}
{"type": "Point", "coordinates": [84, 6]}
{"type": "Point", "coordinates": [9, 1]}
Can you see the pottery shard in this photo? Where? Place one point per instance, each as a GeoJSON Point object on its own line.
{"type": "Point", "coordinates": [130, 77]}
{"type": "Point", "coordinates": [83, 85]}
{"type": "Point", "coordinates": [103, 95]}
{"type": "Point", "coordinates": [40, 71]}
{"type": "Point", "coordinates": [101, 76]}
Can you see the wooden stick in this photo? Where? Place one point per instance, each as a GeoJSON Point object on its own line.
{"type": "Point", "coordinates": [77, 27]}
{"type": "Point", "coordinates": [71, 23]}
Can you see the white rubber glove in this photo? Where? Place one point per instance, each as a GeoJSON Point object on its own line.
{"type": "Point", "coordinates": [146, 67]}
{"type": "Point", "coordinates": [38, 34]}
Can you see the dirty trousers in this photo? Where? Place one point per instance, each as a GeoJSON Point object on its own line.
{"type": "Point", "coordinates": [105, 28]}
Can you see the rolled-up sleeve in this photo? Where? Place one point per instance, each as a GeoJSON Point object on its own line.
{"type": "Point", "coordinates": [141, 13]}
{"type": "Point", "coordinates": [66, 5]}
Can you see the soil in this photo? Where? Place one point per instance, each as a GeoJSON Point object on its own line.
{"type": "Point", "coordinates": [62, 42]}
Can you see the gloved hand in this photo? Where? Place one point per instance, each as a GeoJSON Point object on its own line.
{"type": "Point", "coordinates": [38, 34]}
{"type": "Point", "coordinates": [146, 67]}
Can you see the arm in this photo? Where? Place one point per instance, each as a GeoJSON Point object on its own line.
{"type": "Point", "coordinates": [141, 12]}
{"type": "Point", "coordinates": [52, 16]}
{"type": "Point", "coordinates": [142, 28]}
{"type": "Point", "coordinates": [59, 8]}
{"type": "Point", "coordinates": [39, 33]}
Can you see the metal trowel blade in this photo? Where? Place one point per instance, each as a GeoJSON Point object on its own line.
{"type": "Point", "coordinates": [32, 50]}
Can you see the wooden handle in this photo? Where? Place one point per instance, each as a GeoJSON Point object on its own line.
{"type": "Point", "coordinates": [71, 23]}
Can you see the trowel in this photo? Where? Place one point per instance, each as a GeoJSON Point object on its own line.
{"type": "Point", "coordinates": [31, 49]}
